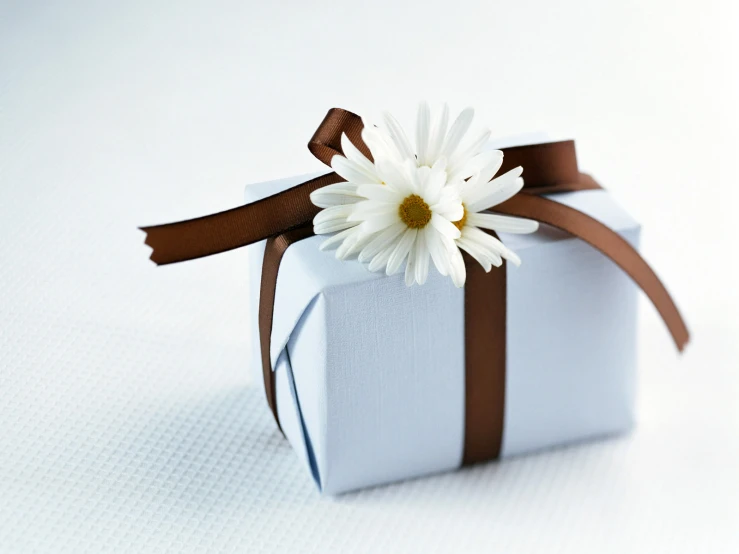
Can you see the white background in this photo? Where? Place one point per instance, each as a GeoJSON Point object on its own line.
{"type": "Point", "coordinates": [126, 423]}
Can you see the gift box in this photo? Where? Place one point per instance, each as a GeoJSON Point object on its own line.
{"type": "Point", "coordinates": [370, 374]}
{"type": "Point", "coordinates": [376, 377]}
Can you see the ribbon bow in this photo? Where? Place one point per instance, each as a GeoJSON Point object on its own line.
{"type": "Point", "coordinates": [550, 168]}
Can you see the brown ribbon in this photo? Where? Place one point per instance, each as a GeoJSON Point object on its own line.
{"type": "Point", "coordinates": [485, 341]}
{"type": "Point", "coordinates": [286, 217]}
{"type": "Point", "coordinates": [273, 252]}
{"type": "Point", "coordinates": [223, 231]}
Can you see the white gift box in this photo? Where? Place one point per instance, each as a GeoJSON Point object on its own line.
{"type": "Point", "coordinates": [370, 374]}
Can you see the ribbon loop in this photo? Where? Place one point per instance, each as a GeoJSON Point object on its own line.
{"type": "Point", "coordinates": [545, 165]}
{"type": "Point", "coordinates": [326, 141]}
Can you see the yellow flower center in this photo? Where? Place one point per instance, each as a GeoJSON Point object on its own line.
{"type": "Point", "coordinates": [414, 212]}
{"type": "Point", "coordinates": [462, 222]}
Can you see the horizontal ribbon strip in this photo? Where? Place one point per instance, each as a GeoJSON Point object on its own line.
{"type": "Point", "coordinates": [223, 231]}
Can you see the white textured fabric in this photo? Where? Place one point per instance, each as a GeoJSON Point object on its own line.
{"type": "Point", "coordinates": [126, 424]}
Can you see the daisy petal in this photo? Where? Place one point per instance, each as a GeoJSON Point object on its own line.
{"type": "Point", "coordinates": [460, 126]}
{"type": "Point", "coordinates": [476, 165]}
{"type": "Point", "coordinates": [445, 227]}
{"type": "Point", "coordinates": [488, 241]}
{"type": "Point", "coordinates": [381, 241]}
{"type": "Point", "coordinates": [398, 136]}
{"type": "Point", "coordinates": [410, 267]}
{"type": "Point", "coordinates": [421, 261]}
{"type": "Point", "coordinates": [352, 245]}
{"type": "Point", "coordinates": [338, 238]}
{"type": "Point", "coordinates": [496, 191]}
{"type": "Point", "coordinates": [378, 145]}
{"type": "Point", "coordinates": [482, 260]}
{"type": "Point", "coordinates": [415, 176]}
{"type": "Point", "coordinates": [423, 124]}
{"type": "Point", "coordinates": [493, 159]}
{"type": "Point", "coordinates": [463, 156]}
{"type": "Point", "coordinates": [332, 214]}
{"type": "Point", "coordinates": [401, 251]}
{"type": "Point", "coordinates": [351, 171]}
{"type": "Point", "coordinates": [378, 222]}
{"type": "Point", "coordinates": [437, 251]}
{"type": "Point", "coordinates": [449, 205]}
{"type": "Point", "coordinates": [456, 266]}
{"type": "Point", "coordinates": [438, 134]}
{"type": "Point", "coordinates": [435, 181]}
{"type": "Point", "coordinates": [393, 175]}
{"type": "Point", "coordinates": [379, 262]}
{"type": "Point", "coordinates": [368, 209]}
{"type": "Point", "coordinates": [332, 227]}
{"type": "Point", "coordinates": [502, 223]}
{"type": "Point", "coordinates": [353, 154]}
{"type": "Point", "coordinates": [484, 256]}
{"type": "Point", "coordinates": [335, 195]}
{"type": "Point", "coordinates": [359, 244]}
{"type": "Point", "coordinates": [379, 193]}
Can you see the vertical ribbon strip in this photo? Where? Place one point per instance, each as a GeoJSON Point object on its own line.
{"type": "Point", "coordinates": [273, 252]}
{"type": "Point", "coordinates": [485, 340]}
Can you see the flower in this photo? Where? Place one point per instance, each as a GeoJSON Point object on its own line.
{"type": "Point", "coordinates": [418, 205]}
{"type": "Point", "coordinates": [480, 193]}
{"type": "Point", "coordinates": [411, 217]}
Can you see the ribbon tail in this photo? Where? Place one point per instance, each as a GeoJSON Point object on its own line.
{"type": "Point", "coordinates": [611, 244]}
{"type": "Point", "coordinates": [273, 253]}
{"type": "Point", "coordinates": [223, 231]}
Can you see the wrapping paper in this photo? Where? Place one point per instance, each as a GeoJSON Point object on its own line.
{"type": "Point", "coordinates": [370, 373]}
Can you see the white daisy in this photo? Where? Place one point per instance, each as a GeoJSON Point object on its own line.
{"type": "Point", "coordinates": [408, 218]}
{"type": "Point", "coordinates": [480, 193]}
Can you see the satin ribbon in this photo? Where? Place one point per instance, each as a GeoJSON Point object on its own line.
{"type": "Point", "coordinates": [286, 217]}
